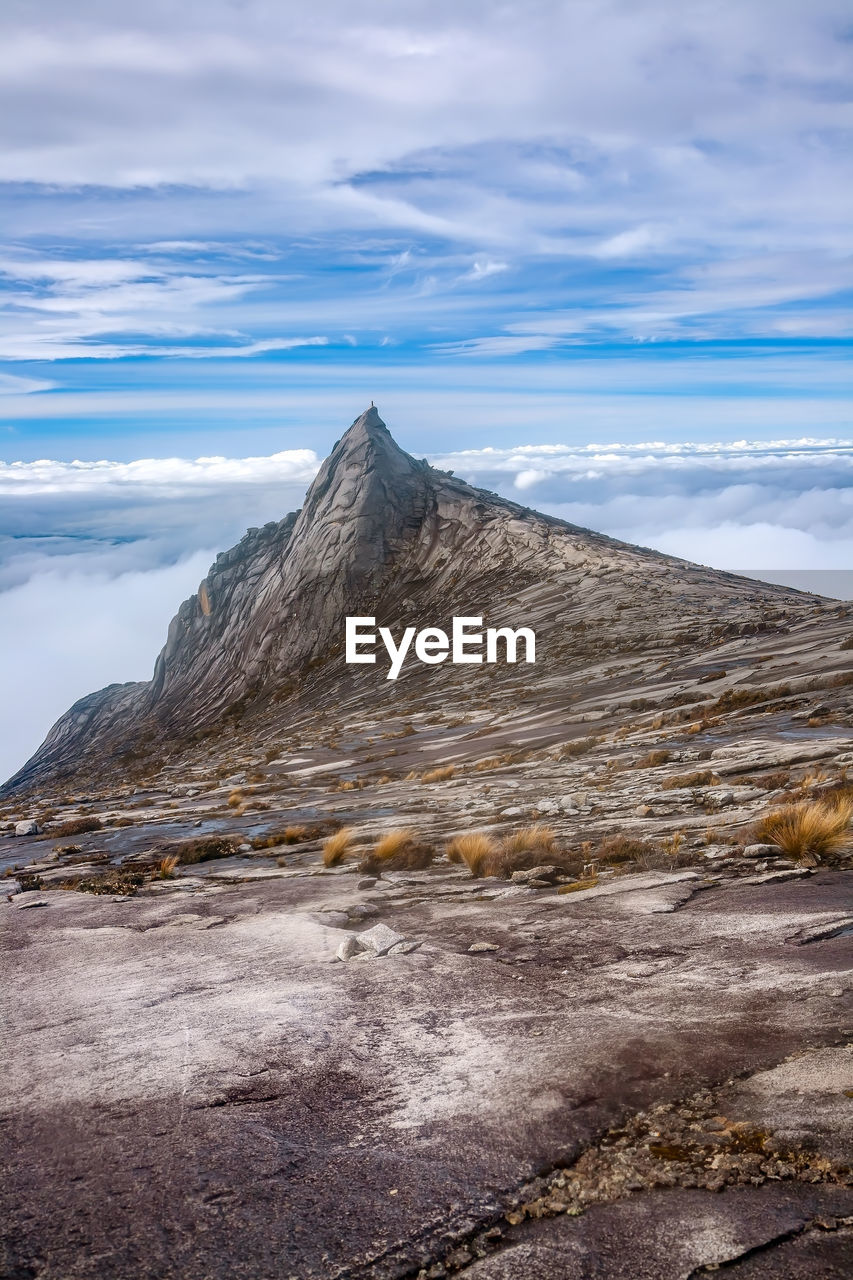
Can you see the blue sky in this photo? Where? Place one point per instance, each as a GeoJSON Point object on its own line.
{"type": "Point", "coordinates": [227, 226]}
{"type": "Point", "coordinates": [226, 223]}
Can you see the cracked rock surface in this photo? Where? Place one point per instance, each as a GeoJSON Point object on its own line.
{"type": "Point", "coordinates": [196, 1089]}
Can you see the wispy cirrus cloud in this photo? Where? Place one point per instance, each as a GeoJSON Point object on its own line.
{"type": "Point", "coordinates": [450, 179]}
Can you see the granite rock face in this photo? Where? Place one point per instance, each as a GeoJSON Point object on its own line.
{"type": "Point", "coordinates": [386, 535]}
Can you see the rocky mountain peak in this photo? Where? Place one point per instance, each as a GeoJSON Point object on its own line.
{"type": "Point", "coordinates": [365, 495]}
{"type": "Point", "coordinates": [384, 534]}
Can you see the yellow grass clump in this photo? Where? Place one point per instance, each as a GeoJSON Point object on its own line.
{"type": "Point", "coordinates": [235, 799]}
{"type": "Point", "coordinates": [337, 846]}
{"type": "Point", "coordinates": [537, 838]}
{"type": "Point", "coordinates": [476, 849]}
{"type": "Point", "coordinates": [440, 774]}
{"type": "Point", "coordinates": [397, 850]}
{"type": "Point", "coordinates": [392, 842]}
{"type": "Point", "coordinates": [812, 831]}
{"type": "Point", "coordinates": [166, 868]}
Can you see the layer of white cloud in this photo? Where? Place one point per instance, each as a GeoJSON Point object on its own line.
{"type": "Point", "coordinates": [64, 634]}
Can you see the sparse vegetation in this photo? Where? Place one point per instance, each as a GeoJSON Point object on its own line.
{"type": "Point", "coordinates": [702, 778]}
{"type": "Point", "coordinates": [519, 851]}
{"type": "Point", "coordinates": [769, 781]}
{"type": "Point", "coordinates": [537, 838]}
{"type": "Point", "coordinates": [201, 849]}
{"type": "Point", "coordinates": [579, 747]}
{"type": "Point", "coordinates": [673, 845]}
{"type": "Point", "coordinates": [475, 848]}
{"type": "Point", "coordinates": [235, 799]}
{"type": "Point", "coordinates": [77, 827]}
{"type": "Point", "coordinates": [440, 774]}
{"type": "Point", "coordinates": [289, 835]}
{"type": "Point", "coordinates": [738, 699]}
{"type": "Point", "coordinates": [397, 850]}
{"type": "Point", "coordinates": [166, 868]}
{"type": "Point", "coordinates": [616, 849]}
{"type": "Point", "coordinates": [653, 759]}
{"type": "Point", "coordinates": [337, 846]}
{"type": "Point", "coordinates": [812, 832]}
{"type": "Point", "coordinates": [589, 883]}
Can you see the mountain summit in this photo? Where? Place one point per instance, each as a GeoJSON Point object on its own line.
{"type": "Point", "coordinates": [386, 535]}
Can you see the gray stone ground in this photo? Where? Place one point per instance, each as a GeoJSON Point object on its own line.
{"type": "Point", "coordinates": [197, 1088]}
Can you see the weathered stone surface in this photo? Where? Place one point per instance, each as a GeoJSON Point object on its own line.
{"type": "Point", "coordinates": [30, 898]}
{"type": "Point", "coordinates": [348, 948]}
{"type": "Point", "coordinates": [27, 828]}
{"type": "Point", "coordinates": [379, 939]}
{"type": "Point", "coordinates": [546, 873]}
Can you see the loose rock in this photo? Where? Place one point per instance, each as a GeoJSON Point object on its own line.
{"type": "Point", "coordinates": [380, 939]}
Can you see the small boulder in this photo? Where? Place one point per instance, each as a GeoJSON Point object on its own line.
{"type": "Point", "coordinates": [761, 851]}
{"type": "Point", "coordinates": [362, 910]}
{"type": "Point", "coordinates": [369, 883]}
{"type": "Point", "coordinates": [380, 939]}
{"type": "Point", "coordinates": [348, 948]}
{"type": "Point", "coordinates": [28, 828]}
{"type": "Point", "coordinates": [545, 873]}
{"type": "Point", "coordinates": [477, 948]}
{"type": "Point", "coordinates": [403, 948]}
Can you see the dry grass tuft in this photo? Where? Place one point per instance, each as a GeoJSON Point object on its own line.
{"type": "Point", "coordinates": [289, 835]}
{"type": "Point", "coordinates": [538, 838]}
{"type": "Point", "coordinates": [77, 827]}
{"type": "Point", "coordinates": [616, 849]}
{"type": "Point", "coordinates": [579, 747]}
{"type": "Point", "coordinates": [199, 849]}
{"type": "Point", "coordinates": [493, 762]}
{"type": "Point", "coordinates": [476, 849]}
{"type": "Point", "coordinates": [528, 847]}
{"type": "Point", "coordinates": [441, 774]}
{"type": "Point", "coordinates": [337, 846]}
{"type": "Point", "coordinates": [812, 832]}
{"type": "Point", "coordinates": [166, 868]}
{"type": "Point", "coordinates": [392, 842]}
{"type": "Point", "coordinates": [702, 778]}
{"type": "Point", "coordinates": [235, 799]}
{"type": "Point", "coordinates": [397, 850]}
{"type": "Point", "coordinates": [653, 759]}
